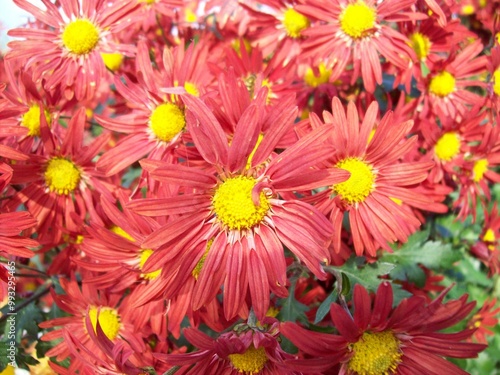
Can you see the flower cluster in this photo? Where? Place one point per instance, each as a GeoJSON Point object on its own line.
{"type": "Point", "coordinates": [191, 186]}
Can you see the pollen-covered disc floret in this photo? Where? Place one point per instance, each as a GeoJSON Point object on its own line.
{"type": "Point", "coordinates": [251, 362]}
{"type": "Point", "coordinates": [166, 121]}
{"type": "Point", "coordinates": [359, 185]}
{"type": "Point", "coordinates": [31, 120]}
{"type": "Point", "coordinates": [80, 36]}
{"type": "Point", "coordinates": [358, 20]}
{"type": "Point", "coordinates": [233, 204]}
{"type": "Point", "coordinates": [295, 23]}
{"type": "Point", "coordinates": [145, 254]}
{"type": "Point", "coordinates": [62, 175]}
{"type": "Point", "coordinates": [448, 146]}
{"type": "Point", "coordinates": [421, 44]}
{"type": "Point", "coordinates": [376, 353]}
{"type": "Point", "coordinates": [442, 84]}
{"type": "Point", "coordinates": [312, 80]}
{"type": "Point", "coordinates": [479, 169]}
{"type": "Point", "coordinates": [109, 320]}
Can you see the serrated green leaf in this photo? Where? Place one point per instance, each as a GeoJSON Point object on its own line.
{"type": "Point", "coordinates": [27, 320]}
{"type": "Point", "coordinates": [367, 275]}
{"type": "Point", "coordinates": [292, 310]}
{"type": "Point", "coordinates": [324, 308]}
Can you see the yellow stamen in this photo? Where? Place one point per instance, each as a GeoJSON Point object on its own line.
{"type": "Point", "coordinates": [442, 84]}
{"type": "Point", "coordinates": [233, 204]}
{"type": "Point", "coordinates": [250, 157]}
{"type": "Point", "coordinates": [62, 175]}
{"type": "Point", "coordinates": [421, 44]}
{"type": "Point", "coordinates": [9, 370]}
{"type": "Point", "coordinates": [197, 269]}
{"type": "Point", "coordinates": [166, 121]}
{"type": "Point", "coordinates": [31, 120]}
{"type": "Point", "coordinates": [251, 362]}
{"type": "Point", "coordinates": [145, 254]}
{"type": "Point", "coordinates": [448, 146]}
{"type": "Point", "coordinates": [314, 81]}
{"type": "Point", "coordinates": [80, 36]}
{"type": "Point", "coordinates": [468, 9]}
{"type": "Point", "coordinates": [375, 353]}
{"type": "Point", "coordinates": [119, 231]}
{"type": "Point", "coordinates": [358, 20]}
{"type": "Point", "coordinates": [113, 61]}
{"type": "Point", "coordinates": [191, 88]}
{"type": "Point", "coordinates": [489, 236]}
{"type": "Point", "coordinates": [109, 320]}
{"type": "Point", "coordinates": [295, 23]}
{"type": "Point", "coordinates": [496, 82]}
{"type": "Point", "coordinates": [359, 185]}
{"type": "Point", "coordinates": [479, 169]}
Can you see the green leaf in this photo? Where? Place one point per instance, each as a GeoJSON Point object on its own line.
{"type": "Point", "coordinates": [27, 320]}
{"type": "Point", "coordinates": [324, 308]}
{"type": "Point", "coordinates": [366, 275]}
{"type": "Point", "coordinates": [432, 254]}
{"type": "Point", "coordinates": [291, 309]}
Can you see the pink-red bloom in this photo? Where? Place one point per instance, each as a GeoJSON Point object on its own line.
{"type": "Point", "coordinates": [382, 339]}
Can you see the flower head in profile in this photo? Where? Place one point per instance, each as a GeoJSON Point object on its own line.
{"type": "Point", "coordinates": [83, 304]}
{"type": "Point", "coordinates": [381, 339]}
{"type": "Point", "coordinates": [67, 51]}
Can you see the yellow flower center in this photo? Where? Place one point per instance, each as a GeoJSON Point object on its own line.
{"type": "Point", "coordinates": [295, 23]}
{"type": "Point", "coordinates": [442, 84]}
{"type": "Point", "coordinates": [251, 362]}
{"type": "Point", "coordinates": [119, 231]}
{"type": "Point", "coordinates": [233, 204]}
{"type": "Point", "coordinates": [314, 81]}
{"type": "Point", "coordinates": [468, 9]}
{"type": "Point", "coordinates": [113, 61]}
{"type": "Point", "coordinates": [496, 82]}
{"type": "Point", "coordinates": [9, 370]}
{"type": "Point", "coordinates": [197, 269]}
{"type": "Point", "coordinates": [190, 16]}
{"type": "Point", "coordinates": [359, 185]}
{"type": "Point", "coordinates": [109, 320]}
{"type": "Point", "coordinates": [80, 36]}
{"type": "Point", "coordinates": [420, 44]}
{"type": "Point", "coordinates": [375, 354]}
{"type": "Point", "coordinates": [489, 236]}
{"type": "Point", "coordinates": [62, 176]}
{"type": "Point", "coordinates": [145, 254]}
{"type": "Point", "coordinates": [147, 1]}
{"type": "Point", "coordinates": [191, 88]}
{"type": "Point", "coordinates": [497, 38]}
{"type": "Point", "coordinates": [166, 121]}
{"type": "Point", "coordinates": [448, 146]}
{"type": "Point", "coordinates": [357, 20]}
{"type": "Point", "coordinates": [31, 120]}
{"type": "Point", "coordinates": [479, 169]}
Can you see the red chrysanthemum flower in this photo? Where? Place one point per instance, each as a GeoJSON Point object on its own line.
{"type": "Point", "coordinates": [352, 32]}
{"type": "Point", "coordinates": [380, 339]}
{"type": "Point", "coordinates": [444, 91]}
{"type": "Point", "coordinates": [247, 350]}
{"type": "Point", "coordinates": [156, 123]}
{"type": "Point", "coordinates": [378, 181]}
{"type": "Point", "coordinates": [60, 180]}
{"type": "Point", "coordinates": [487, 248]}
{"type": "Point", "coordinates": [67, 51]}
{"type": "Point", "coordinates": [109, 310]}
{"type": "Point", "coordinates": [484, 320]}
{"type": "Point", "coordinates": [275, 26]}
{"type": "Point", "coordinates": [235, 203]}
